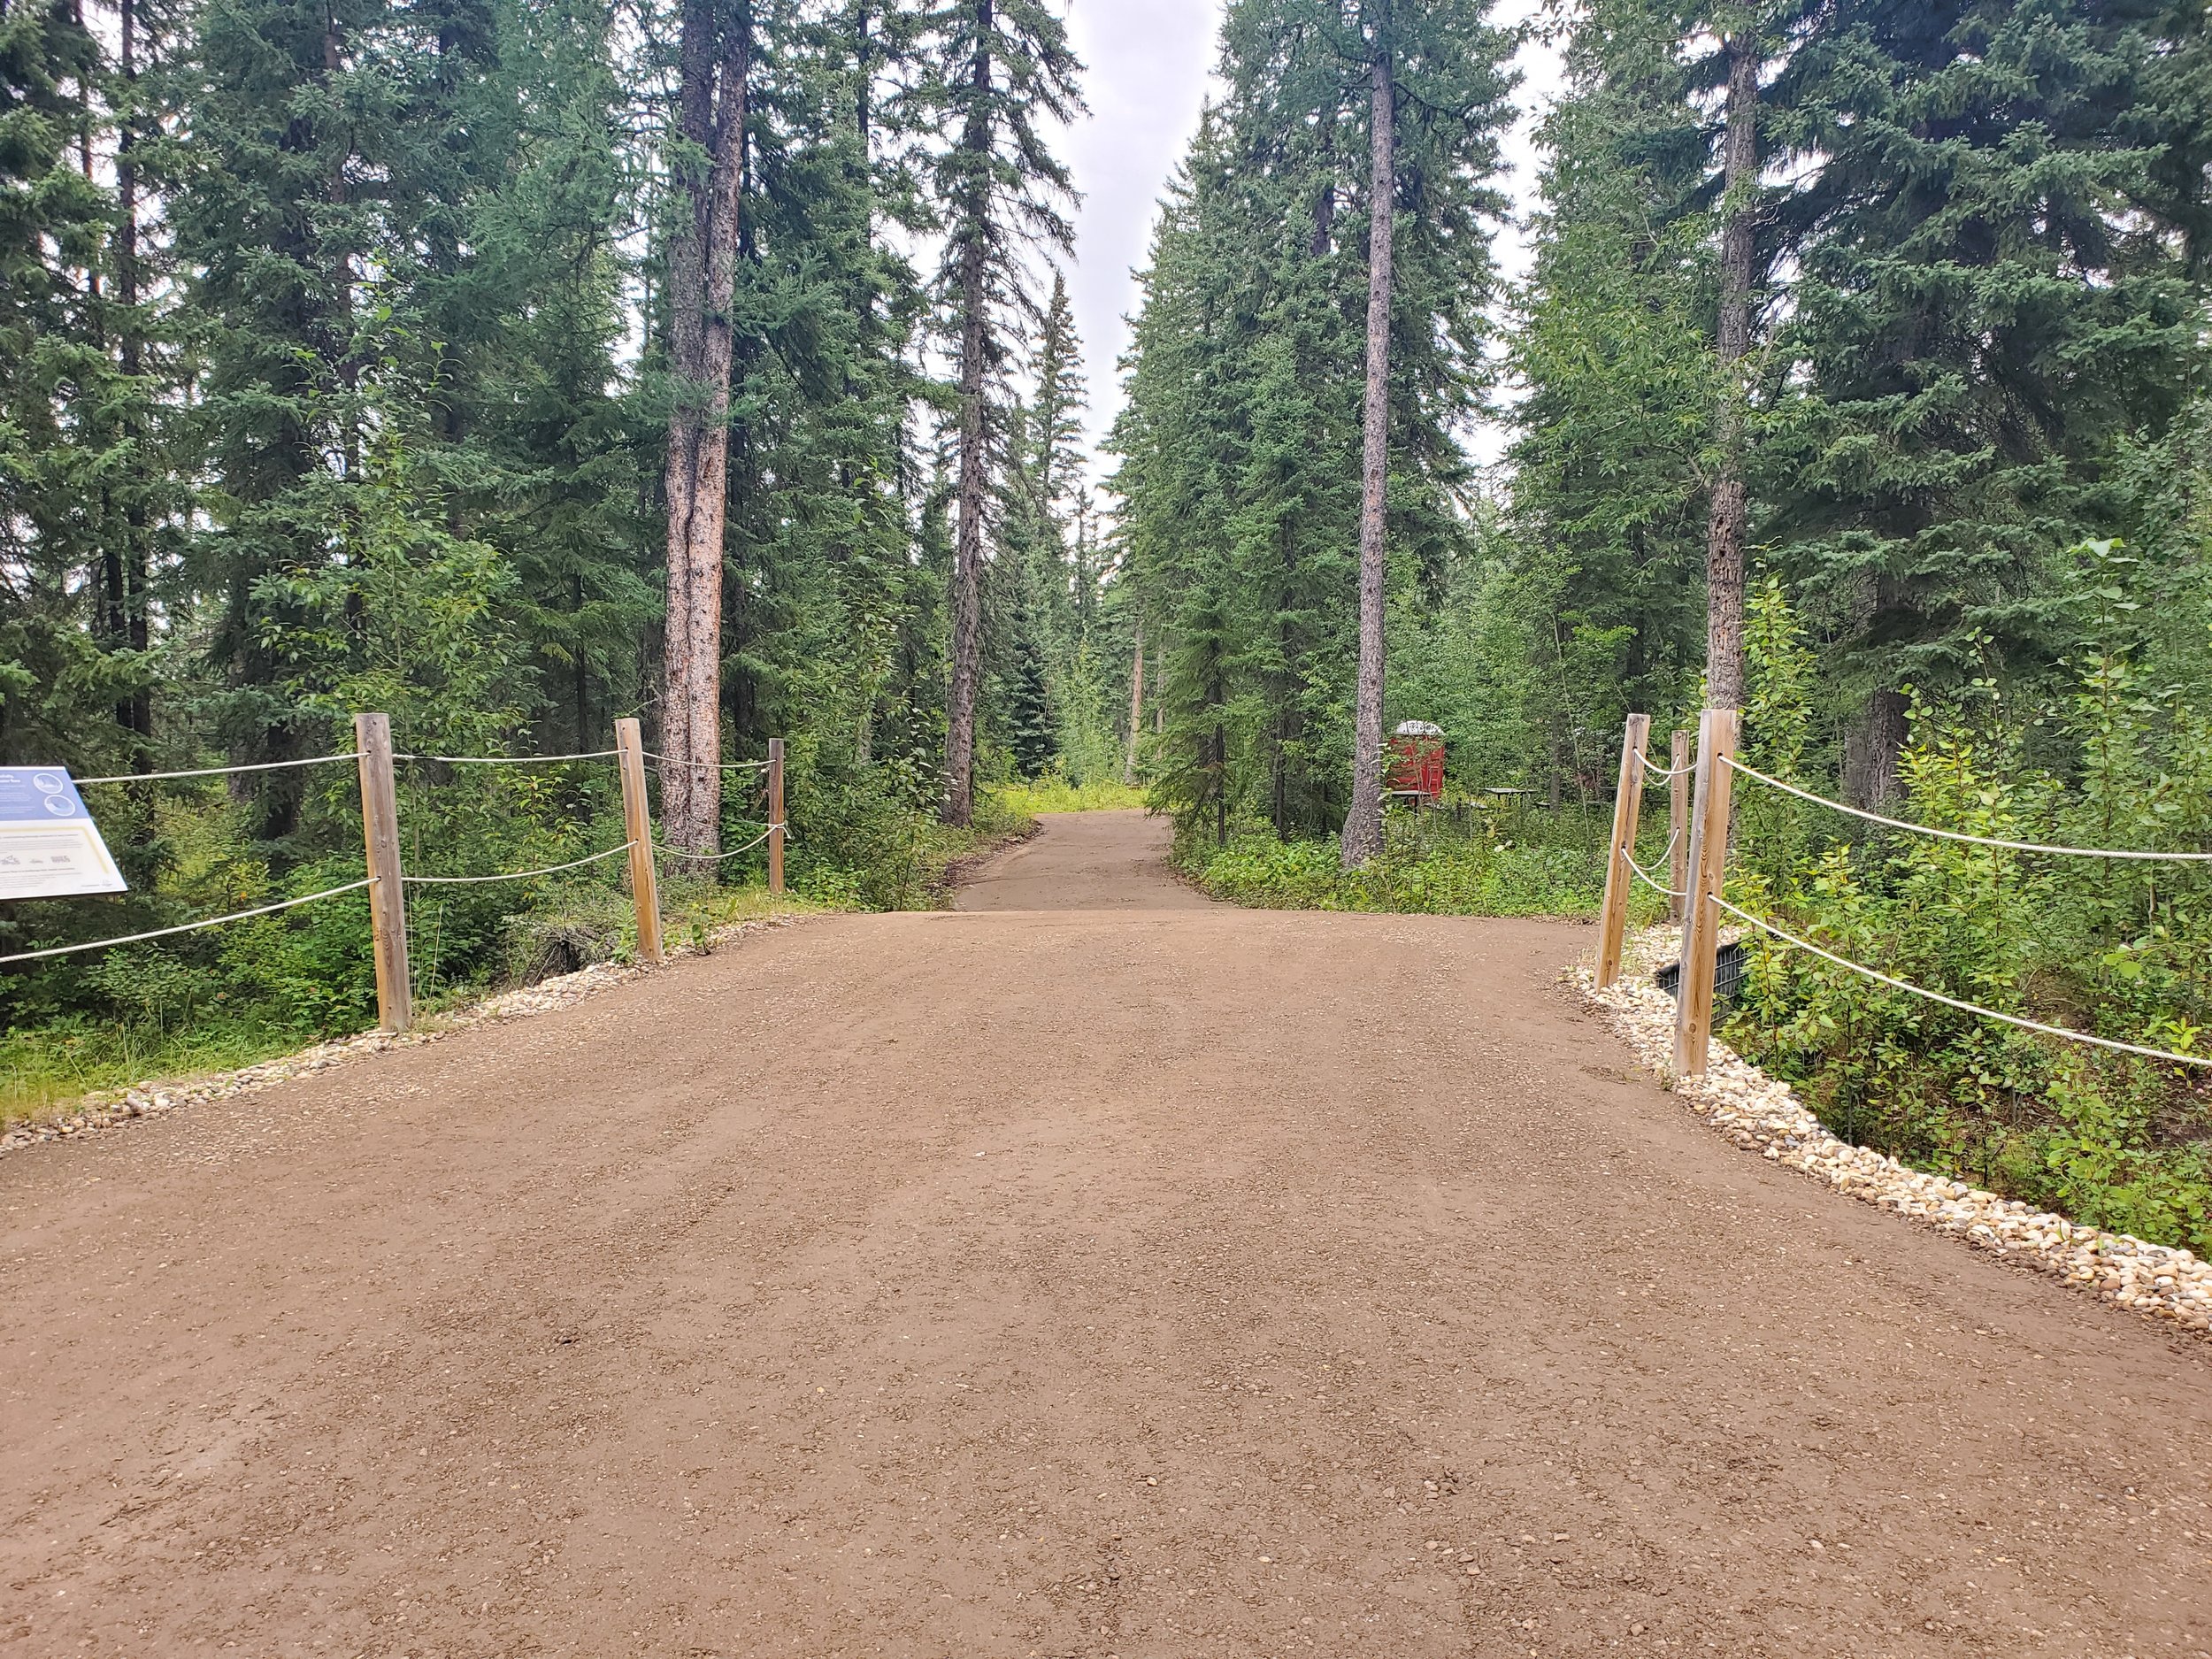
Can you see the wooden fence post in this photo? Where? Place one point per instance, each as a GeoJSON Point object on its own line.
{"type": "Point", "coordinates": [1628, 802]}
{"type": "Point", "coordinates": [388, 898]}
{"type": "Point", "coordinates": [775, 815]}
{"type": "Point", "coordinates": [1717, 734]}
{"type": "Point", "coordinates": [637, 824]}
{"type": "Point", "coordinates": [1678, 823]}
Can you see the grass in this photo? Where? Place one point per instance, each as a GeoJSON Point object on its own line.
{"type": "Point", "coordinates": [1529, 864]}
{"type": "Point", "coordinates": [1052, 793]}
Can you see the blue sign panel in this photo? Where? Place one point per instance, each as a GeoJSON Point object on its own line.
{"type": "Point", "coordinates": [50, 846]}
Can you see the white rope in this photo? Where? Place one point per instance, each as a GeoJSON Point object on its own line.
{"type": "Point", "coordinates": [213, 921]}
{"type": "Point", "coordinates": [515, 875]}
{"type": "Point", "coordinates": [1643, 876]}
{"type": "Point", "coordinates": [708, 765]}
{"type": "Point", "coordinates": [709, 858]}
{"type": "Point", "coordinates": [216, 771]}
{"type": "Point", "coordinates": [1663, 772]}
{"type": "Point", "coordinates": [511, 760]}
{"type": "Point", "coordinates": [1955, 835]}
{"type": "Point", "coordinates": [1953, 1002]}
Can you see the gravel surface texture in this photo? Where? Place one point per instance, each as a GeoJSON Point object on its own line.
{"type": "Point", "coordinates": [113, 1109]}
{"type": "Point", "coordinates": [1761, 1114]}
{"type": "Point", "coordinates": [1137, 1282]}
{"type": "Point", "coordinates": [1084, 860]}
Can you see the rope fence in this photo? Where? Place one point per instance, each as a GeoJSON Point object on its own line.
{"type": "Point", "coordinates": [759, 840]}
{"type": "Point", "coordinates": [516, 875]}
{"type": "Point", "coordinates": [1701, 902]}
{"type": "Point", "coordinates": [218, 771]}
{"type": "Point", "coordinates": [1650, 880]}
{"type": "Point", "coordinates": [191, 927]}
{"type": "Point", "coordinates": [2071, 1035]}
{"type": "Point", "coordinates": [711, 765]}
{"type": "Point", "coordinates": [386, 883]}
{"type": "Point", "coordinates": [1738, 766]}
{"type": "Point", "coordinates": [510, 760]}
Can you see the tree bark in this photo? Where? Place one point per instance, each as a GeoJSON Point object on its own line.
{"type": "Point", "coordinates": [967, 559]}
{"type": "Point", "coordinates": [1362, 836]}
{"type": "Point", "coordinates": [716, 58]}
{"type": "Point", "coordinates": [1728, 521]}
{"type": "Point", "coordinates": [135, 712]}
{"type": "Point", "coordinates": [1136, 708]}
{"type": "Point", "coordinates": [1873, 745]}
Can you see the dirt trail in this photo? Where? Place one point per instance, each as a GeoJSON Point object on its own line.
{"type": "Point", "coordinates": [1084, 861]}
{"type": "Point", "coordinates": [1053, 1283]}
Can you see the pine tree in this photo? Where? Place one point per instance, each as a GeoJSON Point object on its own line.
{"type": "Point", "coordinates": [1993, 294]}
{"type": "Point", "coordinates": [1609, 496]}
{"type": "Point", "coordinates": [1001, 68]}
{"type": "Point", "coordinates": [1241, 477]}
{"type": "Point", "coordinates": [1362, 836]}
{"type": "Point", "coordinates": [54, 371]}
{"type": "Point", "coordinates": [706, 172]}
{"type": "Point", "coordinates": [1728, 522]}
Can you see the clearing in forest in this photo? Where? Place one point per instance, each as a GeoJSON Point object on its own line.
{"type": "Point", "coordinates": [1150, 1278]}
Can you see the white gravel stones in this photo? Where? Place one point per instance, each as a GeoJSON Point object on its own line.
{"type": "Point", "coordinates": [112, 1109]}
{"type": "Point", "coordinates": [1762, 1115]}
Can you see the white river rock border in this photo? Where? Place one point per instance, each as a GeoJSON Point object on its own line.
{"type": "Point", "coordinates": [1759, 1114]}
{"type": "Point", "coordinates": [115, 1109]}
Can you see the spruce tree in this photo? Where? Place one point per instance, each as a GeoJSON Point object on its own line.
{"type": "Point", "coordinates": [54, 370]}
{"type": "Point", "coordinates": [1614, 344]}
{"type": "Point", "coordinates": [1241, 476]}
{"type": "Point", "coordinates": [1993, 295]}
{"type": "Point", "coordinates": [1000, 68]}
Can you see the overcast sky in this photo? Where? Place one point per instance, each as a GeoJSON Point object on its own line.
{"type": "Point", "coordinates": [1149, 65]}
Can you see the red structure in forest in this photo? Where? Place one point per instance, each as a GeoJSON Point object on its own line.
{"type": "Point", "coordinates": [1417, 763]}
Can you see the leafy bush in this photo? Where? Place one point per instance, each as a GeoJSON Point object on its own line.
{"type": "Point", "coordinates": [1054, 792]}
{"type": "Point", "coordinates": [2113, 948]}
{"type": "Point", "coordinates": [1494, 863]}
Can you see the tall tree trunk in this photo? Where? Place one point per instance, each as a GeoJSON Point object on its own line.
{"type": "Point", "coordinates": [716, 61]}
{"type": "Point", "coordinates": [135, 712]}
{"type": "Point", "coordinates": [1873, 744]}
{"type": "Point", "coordinates": [1136, 708]}
{"type": "Point", "coordinates": [1729, 517]}
{"type": "Point", "coordinates": [967, 558]}
{"type": "Point", "coordinates": [1363, 824]}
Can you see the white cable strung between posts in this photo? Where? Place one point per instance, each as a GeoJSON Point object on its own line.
{"type": "Point", "coordinates": [514, 875]}
{"type": "Point", "coordinates": [1952, 1002]}
{"type": "Point", "coordinates": [1665, 772]}
{"type": "Point", "coordinates": [708, 765]}
{"type": "Point", "coordinates": [218, 771]}
{"type": "Point", "coordinates": [707, 859]}
{"type": "Point", "coordinates": [1958, 835]}
{"type": "Point", "coordinates": [1645, 877]}
{"type": "Point", "coordinates": [510, 760]}
{"type": "Point", "coordinates": [189, 927]}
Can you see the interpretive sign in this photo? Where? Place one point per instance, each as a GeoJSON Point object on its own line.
{"type": "Point", "coordinates": [50, 846]}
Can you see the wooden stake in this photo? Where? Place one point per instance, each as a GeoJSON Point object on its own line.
{"type": "Point", "coordinates": [637, 824]}
{"type": "Point", "coordinates": [775, 815]}
{"type": "Point", "coordinates": [1709, 855]}
{"type": "Point", "coordinates": [1627, 809]}
{"type": "Point", "coordinates": [387, 899]}
{"type": "Point", "coordinates": [1678, 822]}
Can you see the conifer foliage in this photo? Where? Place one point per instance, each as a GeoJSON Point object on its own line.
{"type": "Point", "coordinates": [515, 365]}
{"type": "Point", "coordinates": [1290, 474]}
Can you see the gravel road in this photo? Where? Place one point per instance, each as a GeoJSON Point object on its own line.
{"type": "Point", "coordinates": [1116, 1281]}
